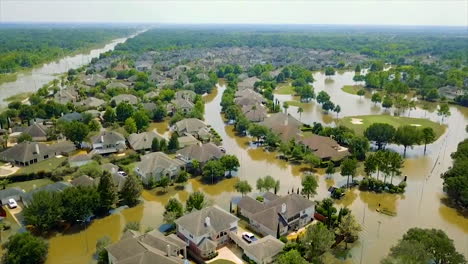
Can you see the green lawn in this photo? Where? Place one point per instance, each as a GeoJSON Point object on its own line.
{"type": "Point", "coordinates": [222, 261]}
{"type": "Point", "coordinates": [395, 121]}
{"type": "Point", "coordinates": [351, 89]}
{"type": "Point", "coordinates": [296, 103]}
{"type": "Point", "coordinates": [30, 185]}
{"type": "Point", "coordinates": [45, 165]}
{"type": "Point", "coordinates": [284, 88]}
{"type": "Point", "coordinates": [18, 97]}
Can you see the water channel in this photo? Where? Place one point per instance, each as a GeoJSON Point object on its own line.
{"type": "Point", "coordinates": [420, 206]}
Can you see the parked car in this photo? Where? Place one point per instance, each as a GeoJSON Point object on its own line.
{"type": "Point", "coordinates": [122, 173]}
{"type": "Point", "coordinates": [12, 203]}
{"type": "Point", "coordinates": [249, 237]}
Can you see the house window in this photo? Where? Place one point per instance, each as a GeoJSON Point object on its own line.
{"type": "Point", "coordinates": [191, 236]}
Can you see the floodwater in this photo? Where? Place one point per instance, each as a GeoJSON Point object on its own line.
{"type": "Point", "coordinates": [32, 80]}
{"type": "Point", "coordinates": [420, 206]}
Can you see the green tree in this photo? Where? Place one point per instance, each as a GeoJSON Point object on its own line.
{"type": "Point", "coordinates": [323, 97]}
{"type": "Point", "coordinates": [330, 168]}
{"type": "Point", "coordinates": [285, 107]}
{"type": "Point", "coordinates": [163, 145]}
{"type": "Point", "coordinates": [394, 164]}
{"type": "Point", "coordinates": [213, 171]}
{"type": "Point", "coordinates": [109, 115]}
{"type": "Point", "coordinates": [258, 131]}
{"type": "Point", "coordinates": [349, 228]}
{"type": "Point", "coordinates": [79, 203]}
{"type": "Point", "coordinates": [243, 187]}
{"type": "Point", "coordinates": [123, 111]}
{"type": "Point", "coordinates": [173, 144]}
{"type": "Point", "coordinates": [443, 111]}
{"type": "Point", "coordinates": [141, 120]}
{"type": "Point", "coordinates": [131, 191]}
{"type": "Point", "coordinates": [230, 163]}
{"type": "Point", "coordinates": [408, 252]}
{"type": "Point", "coordinates": [24, 248]}
{"type": "Point", "coordinates": [387, 102]}
{"type": "Point", "coordinates": [182, 177]}
{"type": "Point", "coordinates": [76, 131]}
{"type": "Point", "coordinates": [300, 110]}
{"type": "Point", "coordinates": [337, 110]}
{"type": "Point", "coordinates": [290, 257]}
{"type": "Point", "coordinates": [316, 241]}
{"type": "Point", "coordinates": [196, 200]}
{"type": "Point", "coordinates": [44, 211]}
{"type": "Point", "coordinates": [361, 92]}
{"type": "Point", "coordinates": [456, 178]}
{"type": "Point", "coordinates": [164, 182]}
{"type": "Point", "coordinates": [407, 136]}
{"type": "Point", "coordinates": [130, 126]}
{"type": "Point", "coordinates": [359, 146]}
{"type": "Point", "coordinates": [173, 210]}
{"type": "Point", "coordinates": [312, 160]}
{"type": "Point", "coordinates": [101, 252]}
{"type": "Point", "coordinates": [380, 133]}
{"type": "Point", "coordinates": [24, 137]}
{"type": "Point", "coordinates": [348, 168]}
{"type": "Point", "coordinates": [155, 145]}
{"type": "Point", "coordinates": [376, 98]}
{"type": "Point", "coordinates": [107, 193]}
{"type": "Point", "coordinates": [267, 183]}
{"type": "Point", "coordinates": [329, 71]}
{"type": "Point", "coordinates": [309, 185]}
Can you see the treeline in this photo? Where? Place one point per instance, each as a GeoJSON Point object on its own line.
{"type": "Point", "coordinates": [26, 47]}
{"type": "Point", "coordinates": [456, 178]}
{"type": "Point", "coordinates": [392, 46]}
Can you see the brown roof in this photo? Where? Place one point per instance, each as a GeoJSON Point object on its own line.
{"type": "Point", "coordinates": [195, 222]}
{"type": "Point", "coordinates": [325, 147]}
{"type": "Point", "coordinates": [83, 180]}
{"type": "Point", "coordinates": [201, 152]}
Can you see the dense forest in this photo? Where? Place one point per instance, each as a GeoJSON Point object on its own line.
{"type": "Point", "coordinates": [391, 46]}
{"type": "Point", "coordinates": [25, 47]}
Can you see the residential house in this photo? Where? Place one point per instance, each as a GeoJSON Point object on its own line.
{"type": "Point", "coordinates": [143, 141]}
{"type": "Point", "coordinates": [325, 148]}
{"type": "Point", "coordinates": [277, 215]}
{"type": "Point", "coordinates": [193, 126]}
{"type": "Point", "coordinates": [187, 140]}
{"type": "Point", "coordinates": [74, 116]}
{"type": "Point", "coordinates": [91, 102]}
{"type": "Point", "coordinates": [248, 83]}
{"type": "Point", "coordinates": [151, 95]}
{"type": "Point", "coordinates": [84, 181]}
{"type": "Point", "coordinates": [143, 65]}
{"type": "Point", "coordinates": [80, 160]}
{"type": "Point", "coordinates": [264, 250]}
{"type": "Point", "coordinates": [286, 126]}
{"type": "Point", "coordinates": [11, 193]}
{"type": "Point", "coordinates": [149, 107]}
{"type": "Point", "coordinates": [200, 152]}
{"type": "Point", "coordinates": [182, 105]}
{"type": "Point", "coordinates": [151, 247]}
{"type": "Point", "coordinates": [254, 113]}
{"type": "Point", "coordinates": [117, 178]}
{"type": "Point", "coordinates": [185, 95]}
{"type": "Point", "coordinates": [108, 142]}
{"type": "Point", "coordinates": [65, 96]}
{"type": "Point", "coordinates": [248, 97]}
{"type": "Point", "coordinates": [93, 79]}
{"type": "Point", "coordinates": [37, 131]}
{"type": "Point", "coordinates": [116, 85]}
{"type": "Point", "coordinates": [129, 98]}
{"type": "Point", "coordinates": [156, 165]}
{"type": "Point", "coordinates": [53, 187]}
{"type": "Point", "coordinates": [27, 153]}
{"type": "Point", "coordinates": [206, 230]}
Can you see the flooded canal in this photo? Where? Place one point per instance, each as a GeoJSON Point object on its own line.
{"type": "Point", "coordinates": [420, 206]}
{"type": "Point", "coordinates": [32, 80]}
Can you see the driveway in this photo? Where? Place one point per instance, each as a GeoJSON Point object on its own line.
{"type": "Point", "coordinates": [6, 170]}
{"type": "Point", "coordinates": [231, 253]}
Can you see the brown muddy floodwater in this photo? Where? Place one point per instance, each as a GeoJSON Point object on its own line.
{"type": "Point", "coordinates": [420, 206]}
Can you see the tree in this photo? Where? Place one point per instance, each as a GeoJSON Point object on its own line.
{"type": "Point", "coordinates": [387, 102]}
{"type": "Point", "coordinates": [337, 110]}
{"type": "Point", "coordinates": [79, 203]}
{"type": "Point", "coordinates": [173, 144]}
{"type": "Point", "coordinates": [131, 191]}
{"type": "Point", "coordinates": [109, 115]}
{"type": "Point", "coordinates": [162, 145]}
{"type": "Point", "coordinates": [107, 193]}
{"type": "Point", "coordinates": [328, 105]}
{"type": "Point", "coordinates": [394, 164]}
{"type": "Point", "coordinates": [407, 136]}
{"type": "Point", "coordinates": [75, 131]}
{"type": "Point", "coordinates": [213, 170]}
{"type": "Point", "coordinates": [24, 248]}
{"type": "Point", "coordinates": [243, 187]}
{"type": "Point", "coordinates": [309, 185]}
{"type": "Point", "coordinates": [267, 183]}
{"type": "Point", "coordinates": [316, 241]}
{"type": "Point", "coordinates": [182, 177]}
{"type": "Point", "coordinates": [164, 182]}
{"type": "Point", "coordinates": [196, 200]}
{"type": "Point", "coordinates": [94, 125]}
{"type": "Point", "coordinates": [312, 160]}
{"type": "Point", "coordinates": [123, 111]}
{"type": "Point", "coordinates": [348, 228]}
{"type": "Point", "coordinates": [376, 98]}
{"type": "Point", "coordinates": [380, 133]}
{"type": "Point", "coordinates": [257, 131]}
{"type": "Point", "coordinates": [456, 178]}
{"type": "Point", "coordinates": [329, 71]}
{"type": "Point", "coordinates": [443, 111]}
{"type": "Point", "coordinates": [173, 210]}
{"type": "Point", "coordinates": [285, 106]}
{"type": "Point", "coordinates": [323, 97]}
{"type": "Point", "coordinates": [330, 168]}
{"type": "Point", "coordinates": [101, 252]}
{"type": "Point", "coordinates": [359, 146]}
{"type": "Point", "coordinates": [436, 244]}
{"type": "Point", "coordinates": [141, 120]}
{"type": "Point", "coordinates": [44, 211]}
{"type": "Point", "coordinates": [24, 137]}
{"type": "Point", "coordinates": [300, 110]}
{"type": "Point", "coordinates": [361, 92]}
{"type": "Point", "coordinates": [348, 168]}
{"type": "Point", "coordinates": [290, 257]}
{"type": "Point", "coordinates": [130, 126]}
{"type": "Point", "coordinates": [230, 163]}
{"type": "Point", "coordinates": [155, 145]}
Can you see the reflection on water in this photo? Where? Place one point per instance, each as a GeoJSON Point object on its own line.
{"type": "Point", "coordinates": [420, 206]}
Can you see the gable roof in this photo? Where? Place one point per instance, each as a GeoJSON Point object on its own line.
{"type": "Point", "coordinates": [248, 83]}
{"type": "Point", "coordinates": [265, 248]}
{"type": "Point", "coordinates": [36, 130]}
{"type": "Point", "coordinates": [84, 181]}
{"type": "Point", "coordinates": [26, 151]}
{"type": "Point", "coordinates": [116, 85]}
{"type": "Point", "coordinates": [201, 152]}
{"type": "Point", "coordinates": [129, 98]}
{"type": "Point", "coordinates": [142, 140]}
{"type": "Point", "coordinates": [255, 113]}
{"type": "Point", "coordinates": [325, 147]}
{"type": "Point", "coordinates": [189, 125]}
{"type": "Point", "coordinates": [195, 222]}
{"type": "Point", "coordinates": [107, 137]}
{"type": "Point", "coordinates": [185, 95]}
{"type": "Point", "coordinates": [157, 162]}
{"type": "Point", "coordinates": [91, 102]}
{"type": "Point", "coordinates": [75, 116]}
{"type": "Point", "coordinates": [9, 192]}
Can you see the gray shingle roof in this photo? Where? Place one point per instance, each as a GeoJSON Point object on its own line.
{"type": "Point", "coordinates": [195, 221]}
{"type": "Point", "coordinates": [143, 140]}
{"type": "Point", "coordinates": [129, 98]}
{"type": "Point", "coordinates": [189, 125]}
{"type": "Point", "coordinates": [91, 102]}
{"type": "Point", "coordinates": [265, 248]}
{"type": "Point", "coordinates": [75, 116]}
{"type": "Point", "coordinates": [9, 192]}
{"type": "Point", "coordinates": [84, 181]}
{"type": "Point", "coordinates": [107, 137]}
{"type": "Point", "coordinates": [157, 162]}
{"type": "Point", "coordinates": [36, 130]}
{"type": "Point", "coordinates": [53, 187]}
{"type": "Point", "coordinates": [26, 151]}
{"type": "Point", "coordinates": [201, 152]}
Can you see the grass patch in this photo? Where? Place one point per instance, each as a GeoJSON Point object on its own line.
{"type": "Point", "coordinates": [18, 97]}
{"type": "Point", "coordinates": [47, 165]}
{"type": "Point", "coordinates": [8, 77]}
{"type": "Point", "coordinates": [351, 89]}
{"type": "Point", "coordinates": [284, 88]}
{"type": "Point", "coordinates": [296, 103]}
{"type": "Point", "coordinates": [30, 185]}
{"type": "Point", "coordinates": [222, 261]}
{"type": "Point", "coordinates": [395, 121]}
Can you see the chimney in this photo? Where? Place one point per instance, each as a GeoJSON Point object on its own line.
{"type": "Point", "coordinates": [283, 208]}
{"type": "Point", "coordinates": [168, 250]}
{"type": "Point", "coordinates": [102, 138]}
{"type": "Point", "coordinates": [207, 221]}
{"type": "Point", "coordinates": [37, 149]}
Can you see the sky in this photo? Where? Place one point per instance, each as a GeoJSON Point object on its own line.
{"type": "Point", "coordinates": [360, 12]}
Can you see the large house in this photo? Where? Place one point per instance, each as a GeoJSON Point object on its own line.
{"type": "Point", "coordinates": [194, 127]}
{"type": "Point", "coordinates": [206, 230]}
{"type": "Point", "coordinates": [156, 165]}
{"type": "Point", "coordinates": [264, 250]}
{"type": "Point", "coordinates": [248, 83]}
{"type": "Point", "coordinates": [27, 153]}
{"type": "Point", "coordinates": [286, 126]}
{"type": "Point", "coordinates": [277, 215]}
{"type": "Point", "coordinates": [325, 148]}
{"type": "Point", "coordinates": [108, 142]}
{"type": "Point", "coordinates": [152, 247]}
{"type": "Point", "coordinates": [143, 141]}
{"type": "Point", "coordinates": [37, 131]}
{"type": "Point", "coordinates": [129, 98]}
{"type": "Point", "coordinates": [200, 152]}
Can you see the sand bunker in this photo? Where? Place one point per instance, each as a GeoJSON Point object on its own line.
{"type": "Point", "coordinates": [416, 125]}
{"type": "Point", "coordinates": [356, 121]}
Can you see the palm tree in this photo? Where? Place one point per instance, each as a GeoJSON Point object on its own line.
{"type": "Point", "coordinates": [300, 110]}
{"type": "Point", "coordinates": [337, 110]}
